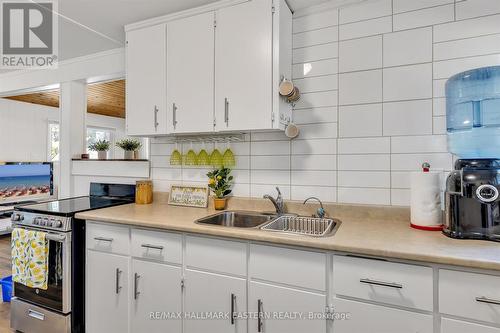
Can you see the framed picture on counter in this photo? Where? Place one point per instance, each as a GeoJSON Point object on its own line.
{"type": "Point", "coordinates": [189, 196]}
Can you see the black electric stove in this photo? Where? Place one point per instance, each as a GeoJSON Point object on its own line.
{"type": "Point", "coordinates": [57, 219]}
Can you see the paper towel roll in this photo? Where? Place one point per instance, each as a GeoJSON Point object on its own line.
{"type": "Point", "coordinates": [425, 200]}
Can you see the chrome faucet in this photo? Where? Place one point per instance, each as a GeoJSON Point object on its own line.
{"type": "Point", "coordinates": [321, 211]}
{"type": "Point", "coordinates": [278, 202]}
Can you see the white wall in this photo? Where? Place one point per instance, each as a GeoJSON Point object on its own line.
{"type": "Point", "coordinates": [372, 110]}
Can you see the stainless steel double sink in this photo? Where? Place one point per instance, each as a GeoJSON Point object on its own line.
{"type": "Point", "coordinates": [288, 224]}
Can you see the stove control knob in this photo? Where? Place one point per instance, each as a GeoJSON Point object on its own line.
{"type": "Point", "coordinates": [57, 224]}
{"type": "Point", "coordinates": [45, 222]}
{"type": "Point", "coordinates": [36, 220]}
{"type": "Point", "coordinates": [15, 217]}
{"type": "Point", "coordinates": [51, 223]}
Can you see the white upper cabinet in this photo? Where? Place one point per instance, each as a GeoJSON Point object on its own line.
{"type": "Point", "coordinates": [213, 69]}
{"type": "Point", "coordinates": [146, 112]}
{"type": "Point", "coordinates": [190, 74]}
{"type": "Point", "coordinates": [244, 50]}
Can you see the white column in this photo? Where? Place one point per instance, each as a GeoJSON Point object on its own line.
{"type": "Point", "coordinates": [72, 135]}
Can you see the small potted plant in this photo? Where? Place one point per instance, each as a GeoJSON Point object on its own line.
{"type": "Point", "coordinates": [220, 183]}
{"type": "Point", "coordinates": [130, 148]}
{"type": "Point", "coordinates": [101, 147]}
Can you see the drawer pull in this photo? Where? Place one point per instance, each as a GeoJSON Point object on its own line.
{"type": "Point", "coordinates": [487, 300]}
{"type": "Point", "coordinates": [154, 247]}
{"type": "Point", "coordinates": [102, 239]}
{"type": "Point", "coordinates": [36, 314]}
{"type": "Point", "coordinates": [260, 314]}
{"type": "Point", "coordinates": [382, 283]}
{"type": "Point", "coordinates": [136, 285]}
{"type": "Point", "coordinates": [117, 281]}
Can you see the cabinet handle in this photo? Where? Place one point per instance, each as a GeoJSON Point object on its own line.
{"type": "Point", "coordinates": [226, 111]}
{"type": "Point", "coordinates": [382, 283]}
{"type": "Point", "coordinates": [102, 239]}
{"type": "Point", "coordinates": [487, 300]}
{"type": "Point", "coordinates": [233, 305]}
{"type": "Point", "coordinates": [136, 284]}
{"type": "Point", "coordinates": [156, 117]}
{"type": "Point", "coordinates": [174, 115]}
{"type": "Point", "coordinates": [259, 315]}
{"type": "Point", "coordinates": [118, 288]}
{"type": "Point", "coordinates": [154, 247]}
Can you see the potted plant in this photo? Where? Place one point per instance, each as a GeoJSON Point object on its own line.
{"type": "Point", "coordinates": [130, 148]}
{"type": "Point", "coordinates": [220, 182]}
{"type": "Point", "coordinates": [101, 147]}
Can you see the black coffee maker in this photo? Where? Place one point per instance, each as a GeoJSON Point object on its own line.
{"type": "Point", "coordinates": [472, 200]}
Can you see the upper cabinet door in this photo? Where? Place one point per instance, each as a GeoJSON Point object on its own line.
{"type": "Point", "coordinates": [243, 66]}
{"type": "Point", "coordinates": [190, 74]}
{"type": "Point", "coordinates": [146, 81]}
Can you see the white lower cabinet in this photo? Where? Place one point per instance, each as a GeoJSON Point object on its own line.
{"type": "Point", "coordinates": [107, 297]}
{"type": "Point", "coordinates": [285, 310]}
{"type": "Point", "coordinates": [458, 326]}
{"type": "Point", "coordinates": [368, 318]}
{"type": "Point", "coordinates": [208, 294]}
{"type": "Point", "coordinates": [156, 297]}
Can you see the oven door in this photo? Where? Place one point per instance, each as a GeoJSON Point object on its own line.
{"type": "Point", "coordinates": [58, 294]}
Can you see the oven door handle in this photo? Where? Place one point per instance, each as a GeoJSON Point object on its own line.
{"type": "Point", "coordinates": [56, 237]}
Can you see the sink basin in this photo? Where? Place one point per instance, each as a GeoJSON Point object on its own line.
{"type": "Point", "coordinates": [238, 219]}
{"type": "Point", "coordinates": [301, 225]}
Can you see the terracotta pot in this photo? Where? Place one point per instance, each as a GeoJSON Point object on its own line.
{"type": "Point", "coordinates": [220, 204]}
{"type": "Point", "coordinates": [128, 154]}
{"type": "Point", "coordinates": [102, 155]}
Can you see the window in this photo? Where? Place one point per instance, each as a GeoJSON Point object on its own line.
{"type": "Point", "coordinates": [53, 142]}
{"type": "Point", "coordinates": [93, 134]}
{"type": "Point", "coordinates": [99, 133]}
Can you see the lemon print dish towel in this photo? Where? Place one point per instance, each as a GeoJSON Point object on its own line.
{"type": "Point", "coordinates": [30, 251]}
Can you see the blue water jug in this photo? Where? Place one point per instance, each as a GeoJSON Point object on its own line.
{"type": "Point", "coordinates": [473, 113]}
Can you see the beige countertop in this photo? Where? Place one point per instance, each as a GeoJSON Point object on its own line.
{"type": "Point", "coordinates": [375, 231]}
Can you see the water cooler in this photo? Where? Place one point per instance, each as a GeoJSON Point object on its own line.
{"type": "Point", "coordinates": [472, 201]}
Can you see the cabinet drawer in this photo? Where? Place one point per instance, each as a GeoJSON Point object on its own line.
{"type": "Point", "coordinates": [364, 318]}
{"type": "Point", "coordinates": [386, 282]}
{"type": "Point", "coordinates": [108, 238]}
{"type": "Point", "coordinates": [216, 255]}
{"type": "Point", "coordinates": [157, 245]}
{"type": "Point", "coordinates": [470, 295]}
{"type": "Point", "coordinates": [457, 326]}
{"type": "Point", "coordinates": [293, 267]}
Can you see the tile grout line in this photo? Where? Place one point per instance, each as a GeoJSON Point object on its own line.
{"type": "Point", "coordinates": [337, 161]}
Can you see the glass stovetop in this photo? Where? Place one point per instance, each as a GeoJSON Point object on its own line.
{"type": "Point", "coordinates": [71, 206]}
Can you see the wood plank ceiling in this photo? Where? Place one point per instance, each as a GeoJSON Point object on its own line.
{"type": "Point", "coordinates": [107, 98]}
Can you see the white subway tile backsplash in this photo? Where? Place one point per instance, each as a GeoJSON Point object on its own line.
{"type": "Point", "coordinates": [315, 68]}
{"type": "Point", "coordinates": [439, 88]}
{"type": "Point", "coordinates": [381, 179]}
{"type": "Point", "coordinates": [366, 28]}
{"type": "Point", "coordinates": [447, 68]}
{"type": "Point", "coordinates": [408, 118]}
{"type": "Point", "coordinates": [162, 148]}
{"type": "Point", "coordinates": [315, 53]}
{"type": "Point", "coordinates": [315, 21]}
{"type": "Point", "coordinates": [314, 162]}
{"type": "Point", "coordinates": [439, 106]}
{"type": "Point", "coordinates": [319, 83]}
{"type": "Point", "coordinates": [241, 176]}
{"type": "Point", "coordinates": [166, 173]}
{"type": "Point", "coordinates": [408, 47]}
{"type": "Point", "coordinates": [270, 148]}
{"type": "Point", "coordinates": [419, 144]}
{"type": "Point", "coordinates": [360, 87]}
{"type": "Point", "coordinates": [424, 17]}
{"type": "Point", "coordinates": [371, 162]}
{"type": "Point", "coordinates": [318, 131]}
{"type": "Point", "coordinates": [314, 178]}
{"type": "Point", "coordinates": [408, 82]}
{"type": "Point", "coordinates": [238, 148]}
{"type": "Point", "coordinates": [241, 190]}
{"type": "Point", "coordinates": [315, 37]}
{"type": "Point", "coordinates": [242, 163]}
{"type": "Point", "coordinates": [371, 196]}
{"type": "Point", "coordinates": [467, 47]}
{"type": "Point", "coordinates": [326, 194]}
{"type": "Point", "coordinates": [258, 191]}
{"type": "Point", "coordinates": [474, 8]}
{"type": "Point", "coordinates": [364, 146]}
{"type": "Point", "coordinates": [409, 5]}
{"type": "Point", "coordinates": [365, 11]}
{"type": "Point", "coordinates": [360, 120]}
{"type": "Point", "coordinates": [400, 197]}
{"type": "Point", "coordinates": [411, 162]}
{"type": "Point", "coordinates": [314, 147]}
{"type": "Point", "coordinates": [360, 54]}
{"type": "Point", "coordinates": [317, 100]}
{"type": "Point", "coordinates": [316, 115]}
{"type": "Point", "coordinates": [466, 29]}
{"type": "Point", "coordinates": [276, 177]}
{"type": "Point", "coordinates": [401, 179]}
{"type": "Point", "coordinates": [439, 125]}
{"type": "Point", "coordinates": [281, 162]}
{"type": "Point", "coordinates": [269, 136]}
